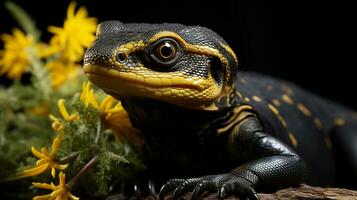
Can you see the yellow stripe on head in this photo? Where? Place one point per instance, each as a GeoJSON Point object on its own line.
{"type": "Point", "coordinates": [194, 48]}
{"type": "Point", "coordinates": [230, 51]}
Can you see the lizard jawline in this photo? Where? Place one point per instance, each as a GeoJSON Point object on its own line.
{"type": "Point", "coordinates": [97, 71]}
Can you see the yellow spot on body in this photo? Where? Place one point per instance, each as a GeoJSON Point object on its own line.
{"type": "Point", "coordinates": [242, 80]}
{"type": "Point", "coordinates": [318, 123]}
{"type": "Point", "coordinates": [239, 94]}
{"type": "Point", "coordinates": [282, 120]}
{"type": "Point", "coordinates": [276, 112]}
{"type": "Point", "coordinates": [238, 114]}
{"type": "Point", "coordinates": [273, 109]}
{"type": "Point", "coordinates": [246, 99]}
{"type": "Point", "coordinates": [304, 110]}
{"type": "Point", "coordinates": [293, 139]}
{"type": "Point", "coordinates": [256, 98]}
{"type": "Point", "coordinates": [276, 102]}
{"type": "Point", "coordinates": [287, 89]}
{"type": "Point", "coordinates": [328, 142]}
{"type": "Point", "coordinates": [287, 99]}
{"type": "Point", "coordinates": [340, 121]}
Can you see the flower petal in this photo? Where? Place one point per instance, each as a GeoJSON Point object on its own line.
{"type": "Point", "coordinates": [43, 161]}
{"type": "Point", "coordinates": [44, 186]}
{"type": "Point", "coordinates": [71, 196]}
{"type": "Point", "coordinates": [42, 197]}
{"type": "Point", "coordinates": [106, 103]}
{"type": "Point", "coordinates": [59, 193]}
{"type": "Point", "coordinates": [53, 118]}
{"type": "Point", "coordinates": [57, 126]}
{"type": "Point", "coordinates": [71, 9]}
{"type": "Point", "coordinates": [53, 172]}
{"type": "Point", "coordinates": [35, 171]}
{"type": "Point", "coordinates": [63, 109]}
{"type": "Point", "coordinates": [62, 179]}
{"type": "Point", "coordinates": [37, 153]}
{"type": "Point", "coordinates": [55, 145]}
{"type": "Point", "coordinates": [15, 58]}
{"type": "Point", "coordinates": [28, 172]}
{"type": "Point", "coordinates": [61, 167]}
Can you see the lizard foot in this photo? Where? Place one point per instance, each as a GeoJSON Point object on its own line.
{"type": "Point", "coordinates": [139, 190]}
{"type": "Point", "coordinates": [223, 184]}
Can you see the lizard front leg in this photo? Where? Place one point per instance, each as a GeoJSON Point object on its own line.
{"type": "Point", "coordinates": [269, 163]}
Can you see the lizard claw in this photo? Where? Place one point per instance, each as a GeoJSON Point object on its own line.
{"type": "Point", "coordinates": [168, 187]}
{"type": "Point", "coordinates": [152, 190]}
{"type": "Point", "coordinates": [137, 191]}
{"type": "Point", "coordinates": [223, 192]}
{"type": "Point", "coordinates": [223, 184]}
{"type": "Point", "coordinates": [187, 186]}
{"type": "Point", "coordinates": [254, 196]}
{"type": "Point", "coordinates": [202, 187]}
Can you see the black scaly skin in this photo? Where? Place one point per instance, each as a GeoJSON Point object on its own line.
{"type": "Point", "coordinates": [255, 154]}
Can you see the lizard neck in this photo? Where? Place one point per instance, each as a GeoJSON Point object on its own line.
{"type": "Point", "coordinates": [152, 115]}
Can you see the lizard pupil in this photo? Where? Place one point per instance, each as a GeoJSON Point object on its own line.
{"type": "Point", "coordinates": [121, 57]}
{"type": "Point", "coordinates": [166, 51]}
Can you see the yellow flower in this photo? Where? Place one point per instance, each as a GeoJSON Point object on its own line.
{"type": "Point", "coordinates": [76, 34]}
{"type": "Point", "coordinates": [14, 59]}
{"type": "Point", "coordinates": [117, 119]}
{"type": "Point", "coordinates": [56, 124]}
{"type": "Point", "coordinates": [113, 115]}
{"type": "Point", "coordinates": [87, 96]}
{"type": "Point", "coordinates": [60, 192]}
{"type": "Point", "coordinates": [47, 160]}
{"type": "Point", "coordinates": [40, 110]}
{"type": "Point", "coordinates": [68, 44]}
{"type": "Point", "coordinates": [62, 71]}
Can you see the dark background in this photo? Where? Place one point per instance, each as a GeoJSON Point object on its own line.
{"type": "Point", "coordinates": [306, 42]}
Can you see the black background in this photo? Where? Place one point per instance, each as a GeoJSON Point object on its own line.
{"type": "Point", "coordinates": [306, 42]}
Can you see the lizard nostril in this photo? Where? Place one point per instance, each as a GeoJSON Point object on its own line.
{"type": "Point", "coordinates": [122, 57]}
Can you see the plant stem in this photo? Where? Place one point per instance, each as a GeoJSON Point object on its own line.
{"type": "Point", "coordinates": [69, 158]}
{"type": "Point", "coordinates": [70, 184]}
{"type": "Point", "coordinates": [98, 131]}
{"type": "Point", "coordinates": [40, 75]}
{"type": "Point", "coordinates": [23, 19]}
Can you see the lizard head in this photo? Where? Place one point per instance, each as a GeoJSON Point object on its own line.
{"type": "Point", "coordinates": [188, 66]}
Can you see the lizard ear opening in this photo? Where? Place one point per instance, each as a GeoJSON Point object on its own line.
{"type": "Point", "coordinates": [217, 70]}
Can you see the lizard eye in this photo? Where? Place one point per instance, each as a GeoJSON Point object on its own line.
{"type": "Point", "coordinates": [165, 51]}
{"type": "Point", "coordinates": [121, 57]}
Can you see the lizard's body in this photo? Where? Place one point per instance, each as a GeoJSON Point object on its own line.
{"type": "Point", "coordinates": [180, 89]}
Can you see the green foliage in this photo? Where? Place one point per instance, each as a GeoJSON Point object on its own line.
{"type": "Point", "coordinates": [24, 122]}
{"type": "Point", "coordinates": [19, 128]}
{"type": "Point", "coordinates": [84, 139]}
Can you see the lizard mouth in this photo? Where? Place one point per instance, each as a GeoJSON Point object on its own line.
{"type": "Point", "coordinates": [98, 71]}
